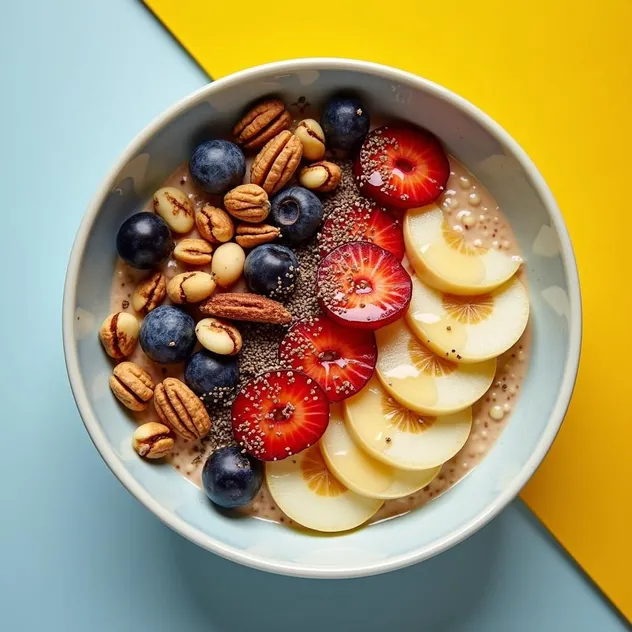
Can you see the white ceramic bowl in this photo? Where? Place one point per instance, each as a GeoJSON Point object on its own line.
{"type": "Point", "coordinates": [503, 167]}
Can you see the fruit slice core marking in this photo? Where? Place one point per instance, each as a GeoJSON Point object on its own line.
{"type": "Point", "coordinates": [404, 419]}
{"type": "Point", "coordinates": [427, 362]}
{"type": "Point", "coordinates": [318, 477]}
{"type": "Point", "coordinates": [456, 240]}
{"type": "Point", "coordinates": [468, 309]}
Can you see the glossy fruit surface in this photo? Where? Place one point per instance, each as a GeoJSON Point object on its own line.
{"type": "Point", "coordinates": [363, 285]}
{"type": "Point", "coordinates": [231, 478]}
{"type": "Point", "coordinates": [340, 359]}
{"type": "Point", "coordinates": [402, 167]}
{"type": "Point", "coordinates": [167, 335]}
{"type": "Point", "coordinates": [144, 241]}
{"type": "Point", "coordinates": [279, 413]}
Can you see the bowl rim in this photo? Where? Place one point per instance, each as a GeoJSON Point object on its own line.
{"type": "Point", "coordinates": [248, 558]}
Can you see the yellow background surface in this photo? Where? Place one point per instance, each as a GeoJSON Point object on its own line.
{"type": "Point", "coordinates": [558, 76]}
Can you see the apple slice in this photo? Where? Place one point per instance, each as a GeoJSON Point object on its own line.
{"type": "Point", "coordinates": [362, 473]}
{"type": "Point", "coordinates": [469, 328]}
{"type": "Point", "coordinates": [311, 495]}
{"type": "Point", "coordinates": [421, 380]}
{"type": "Point", "coordinates": [400, 437]}
{"type": "Point", "coordinates": [444, 260]}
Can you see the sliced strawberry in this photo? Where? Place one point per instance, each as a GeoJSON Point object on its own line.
{"type": "Point", "coordinates": [279, 413]}
{"type": "Point", "coordinates": [362, 285]}
{"type": "Point", "coordinates": [364, 222]}
{"type": "Point", "coordinates": [341, 360]}
{"type": "Point", "coordinates": [402, 167]}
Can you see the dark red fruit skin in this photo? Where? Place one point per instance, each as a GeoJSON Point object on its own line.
{"type": "Point", "coordinates": [341, 377]}
{"type": "Point", "coordinates": [356, 324]}
{"type": "Point", "coordinates": [440, 172]}
{"type": "Point", "coordinates": [365, 324]}
{"type": "Point", "coordinates": [273, 438]}
{"type": "Point", "coordinates": [394, 241]}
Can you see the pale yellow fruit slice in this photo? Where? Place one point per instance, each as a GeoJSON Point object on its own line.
{"type": "Point", "coordinates": [444, 260]}
{"type": "Point", "coordinates": [469, 328]}
{"type": "Point", "coordinates": [312, 496]}
{"type": "Point", "coordinates": [421, 380]}
{"type": "Point", "coordinates": [402, 438]}
{"type": "Point", "coordinates": [362, 473]}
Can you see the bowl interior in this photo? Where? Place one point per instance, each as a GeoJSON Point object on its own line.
{"type": "Point", "coordinates": [492, 157]}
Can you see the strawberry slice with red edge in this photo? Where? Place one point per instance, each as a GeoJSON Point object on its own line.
{"type": "Point", "coordinates": [279, 413]}
{"type": "Point", "coordinates": [363, 222]}
{"type": "Point", "coordinates": [402, 167]}
{"type": "Point", "coordinates": [340, 359]}
{"type": "Point", "coordinates": [362, 285]}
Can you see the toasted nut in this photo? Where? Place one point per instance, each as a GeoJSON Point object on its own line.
{"type": "Point", "coordinates": [132, 386]}
{"type": "Point", "coordinates": [179, 407]}
{"type": "Point", "coordinates": [175, 208]}
{"type": "Point", "coordinates": [150, 293]}
{"type": "Point", "coordinates": [248, 307]}
{"type": "Point", "coordinates": [321, 176]}
{"type": "Point", "coordinates": [311, 135]}
{"type": "Point", "coordinates": [251, 235]}
{"type": "Point", "coordinates": [153, 440]}
{"type": "Point", "coordinates": [119, 334]}
{"type": "Point", "coordinates": [218, 336]}
{"type": "Point", "coordinates": [276, 163]}
{"type": "Point", "coordinates": [195, 252]}
{"type": "Point", "coordinates": [248, 202]}
{"type": "Point", "coordinates": [215, 224]}
{"type": "Point", "coordinates": [190, 287]}
{"type": "Point", "coordinates": [228, 263]}
{"type": "Point", "coordinates": [263, 122]}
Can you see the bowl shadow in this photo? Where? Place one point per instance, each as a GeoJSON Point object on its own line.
{"type": "Point", "coordinates": [438, 594]}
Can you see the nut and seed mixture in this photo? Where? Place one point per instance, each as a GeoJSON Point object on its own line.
{"type": "Point", "coordinates": [260, 341]}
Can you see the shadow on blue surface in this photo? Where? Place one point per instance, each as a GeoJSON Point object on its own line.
{"type": "Point", "coordinates": [441, 593]}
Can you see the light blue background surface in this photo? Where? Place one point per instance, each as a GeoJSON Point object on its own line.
{"type": "Point", "coordinates": [78, 79]}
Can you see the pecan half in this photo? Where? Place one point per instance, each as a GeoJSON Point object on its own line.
{"type": "Point", "coordinates": [321, 176]}
{"type": "Point", "coordinates": [150, 293]}
{"type": "Point", "coordinates": [179, 408]}
{"type": "Point", "coordinates": [195, 252]}
{"type": "Point", "coordinates": [132, 386]}
{"type": "Point", "coordinates": [251, 235]}
{"type": "Point", "coordinates": [215, 224]}
{"type": "Point", "coordinates": [248, 307]}
{"type": "Point", "coordinates": [247, 202]}
{"type": "Point", "coordinates": [263, 122]}
{"type": "Point", "coordinates": [276, 163]}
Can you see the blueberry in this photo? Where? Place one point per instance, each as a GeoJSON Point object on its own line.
{"type": "Point", "coordinates": [167, 335]}
{"type": "Point", "coordinates": [272, 270]}
{"type": "Point", "coordinates": [144, 240]}
{"type": "Point", "coordinates": [211, 377]}
{"type": "Point", "coordinates": [230, 478]}
{"type": "Point", "coordinates": [297, 212]}
{"type": "Point", "coordinates": [345, 122]}
{"type": "Point", "coordinates": [217, 165]}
